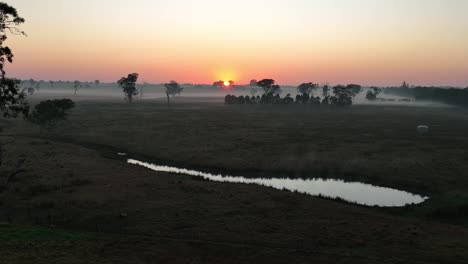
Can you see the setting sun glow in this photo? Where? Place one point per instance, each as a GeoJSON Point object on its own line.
{"type": "Point", "coordinates": [227, 84]}
{"type": "Point", "coordinates": [322, 48]}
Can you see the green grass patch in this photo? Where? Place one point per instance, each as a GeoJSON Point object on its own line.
{"type": "Point", "coordinates": [15, 233]}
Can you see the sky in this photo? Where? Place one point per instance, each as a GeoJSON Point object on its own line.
{"type": "Point", "coordinates": [370, 42]}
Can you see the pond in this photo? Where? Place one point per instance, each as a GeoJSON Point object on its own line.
{"type": "Point", "coordinates": [355, 192]}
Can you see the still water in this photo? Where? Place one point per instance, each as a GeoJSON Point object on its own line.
{"type": "Point", "coordinates": [360, 193]}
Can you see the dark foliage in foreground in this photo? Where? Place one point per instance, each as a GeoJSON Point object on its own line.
{"type": "Point", "coordinates": [49, 113]}
{"type": "Point", "coordinates": [12, 101]}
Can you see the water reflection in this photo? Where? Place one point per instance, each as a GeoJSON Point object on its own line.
{"type": "Point", "coordinates": [360, 193]}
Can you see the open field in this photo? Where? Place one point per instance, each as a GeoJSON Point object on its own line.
{"type": "Point", "coordinates": [71, 178]}
{"type": "Point", "coordinates": [371, 144]}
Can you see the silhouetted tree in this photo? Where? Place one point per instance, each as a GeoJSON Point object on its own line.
{"type": "Point", "coordinates": [253, 82]}
{"type": "Point", "coordinates": [307, 88]}
{"type": "Point", "coordinates": [49, 113]}
{"type": "Point", "coordinates": [51, 83]}
{"type": "Point", "coordinates": [343, 96]}
{"type": "Point", "coordinates": [305, 98]}
{"type": "Point", "coordinates": [315, 100]}
{"type": "Point", "coordinates": [326, 100]}
{"type": "Point", "coordinates": [373, 93]}
{"type": "Point", "coordinates": [326, 91]}
{"type": "Point", "coordinates": [269, 86]}
{"type": "Point", "coordinates": [172, 88]}
{"type": "Point", "coordinates": [354, 89]}
{"type": "Point", "coordinates": [405, 85]}
{"type": "Point", "coordinates": [128, 85]}
{"type": "Point", "coordinates": [97, 82]}
{"type": "Point", "coordinates": [288, 99]}
{"type": "Point", "coordinates": [218, 84]}
{"type": "Point", "coordinates": [229, 99]}
{"type": "Point", "coordinates": [12, 101]}
{"type": "Point", "coordinates": [453, 96]}
{"type": "Point", "coordinates": [76, 86]}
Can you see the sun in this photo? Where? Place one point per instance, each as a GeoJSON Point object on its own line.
{"type": "Point", "coordinates": [227, 84]}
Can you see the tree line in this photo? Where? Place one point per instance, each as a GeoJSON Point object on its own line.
{"type": "Point", "coordinates": [340, 95]}
{"type": "Point", "coordinates": [452, 96]}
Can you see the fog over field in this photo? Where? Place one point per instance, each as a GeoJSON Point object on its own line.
{"type": "Point", "coordinates": [111, 91]}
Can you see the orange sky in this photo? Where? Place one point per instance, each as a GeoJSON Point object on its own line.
{"type": "Point", "coordinates": [372, 42]}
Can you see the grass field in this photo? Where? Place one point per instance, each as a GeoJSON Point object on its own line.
{"type": "Point", "coordinates": [71, 178]}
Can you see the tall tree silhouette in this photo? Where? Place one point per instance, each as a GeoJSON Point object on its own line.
{"type": "Point", "coordinates": [218, 84]}
{"type": "Point", "coordinates": [343, 95]}
{"type": "Point", "coordinates": [307, 88]}
{"type": "Point", "coordinates": [269, 86]}
{"type": "Point", "coordinates": [128, 85]}
{"type": "Point", "coordinates": [76, 85]}
{"type": "Point", "coordinates": [326, 90]}
{"type": "Point", "coordinates": [172, 88]}
{"type": "Point", "coordinates": [12, 100]}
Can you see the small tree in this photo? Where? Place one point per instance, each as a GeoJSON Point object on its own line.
{"type": "Point", "coordinates": [49, 113]}
{"type": "Point", "coordinates": [405, 85]}
{"type": "Point", "coordinates": [97, 82]}
{"type": "Point", "coordinates": [128, 85]}
{"type": "Point", "coordinates": [307, 88]}
{"type": "Point", "coordinates": [373, 93]}
{"type": "Point", "coordinates": [172, 88]}
{"type": "Point", "coordinates": [76, 86]}
{"type": "Point", "coordinates": [269, 86]}
{"type": "Point", "coordinates": [218, 84]}
{"type": "Point", "coordinates": [253, 83]}
{"type": "Point", "coordinates": [51, 83]}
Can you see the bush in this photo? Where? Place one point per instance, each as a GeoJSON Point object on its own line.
{"type": "Point", "coordinates": [49, 113]}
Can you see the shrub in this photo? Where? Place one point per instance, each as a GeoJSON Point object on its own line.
{"type": "Point", "coordinates": [49, 113]}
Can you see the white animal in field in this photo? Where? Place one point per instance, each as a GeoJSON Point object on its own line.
{"type": "Point", "coordinates": [423, 130]}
